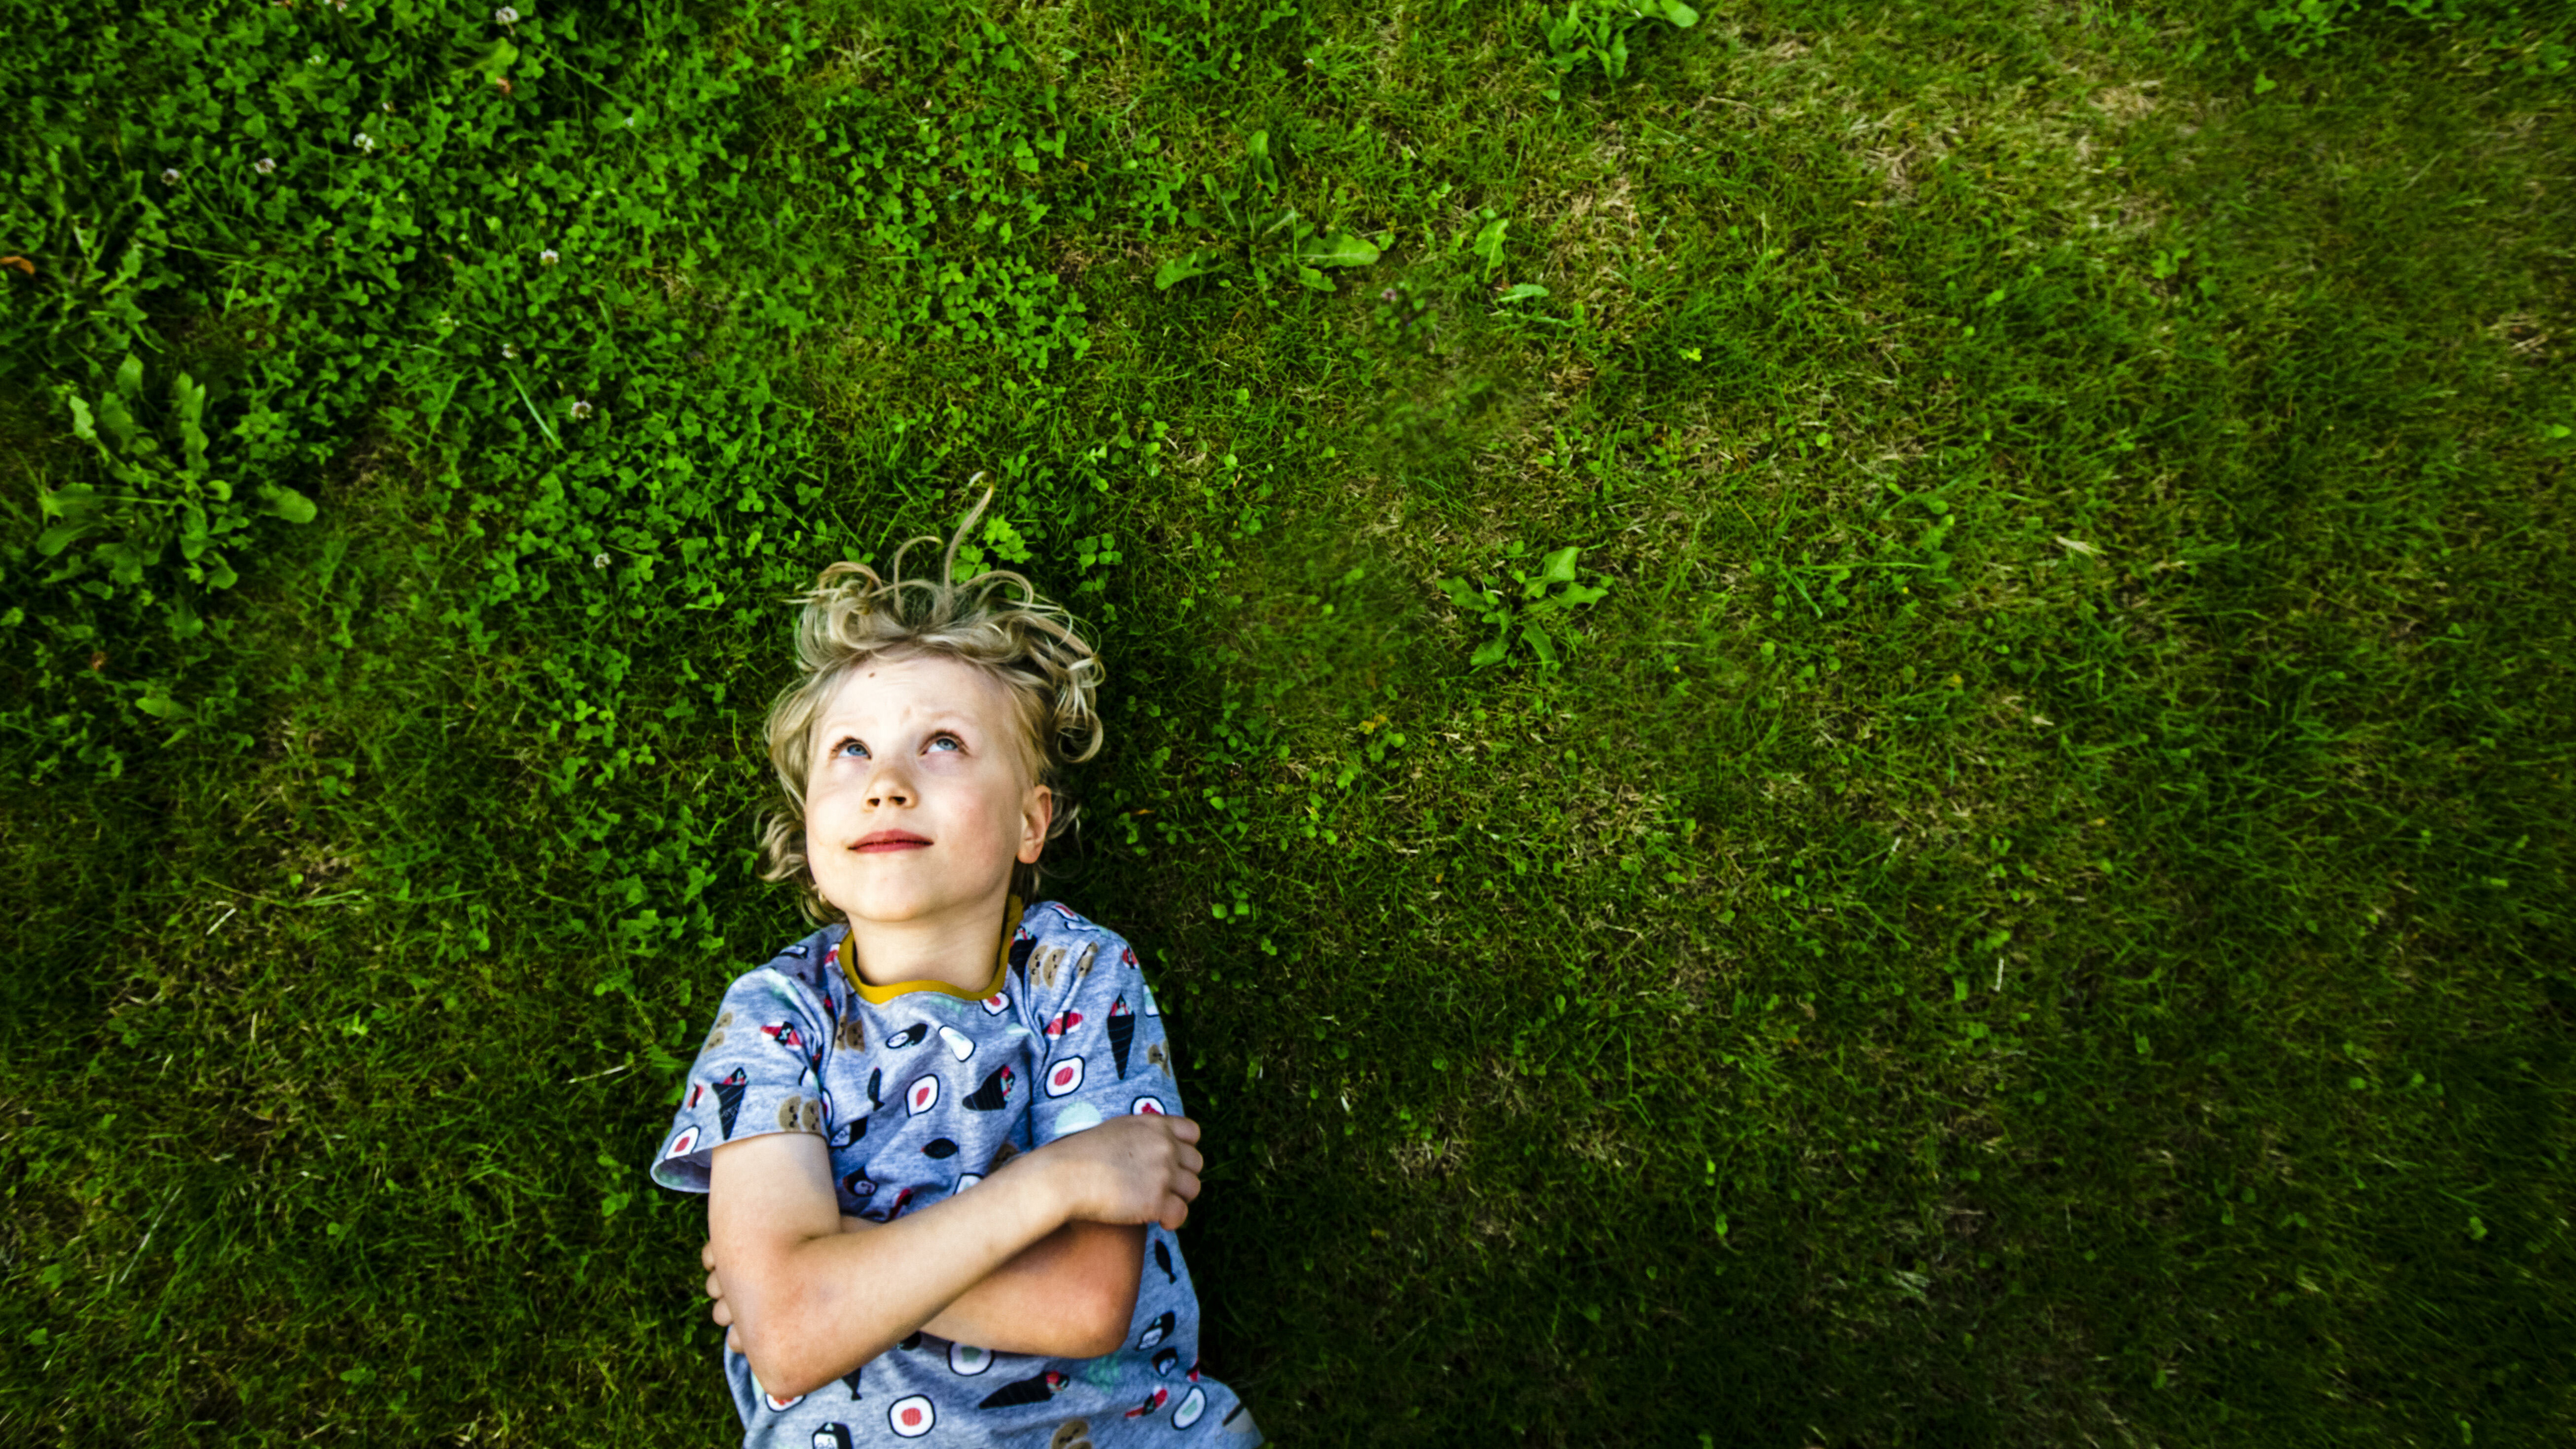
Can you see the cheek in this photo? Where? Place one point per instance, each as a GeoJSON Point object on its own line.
{"type": "Point", "coordinates": [997, 818]}
{"type": "Point", "coordinates": [827, 815]}
{"type": "Point", "coordinates": [821, 804]}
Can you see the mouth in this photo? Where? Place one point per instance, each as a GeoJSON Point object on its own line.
{"type": "Point", "coordinates": [889, 840]}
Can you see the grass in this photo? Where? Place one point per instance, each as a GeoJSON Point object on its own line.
{"type": "Point", "coordinates": [2034, 910]}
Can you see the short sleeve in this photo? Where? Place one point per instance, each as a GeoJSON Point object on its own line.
{"type": "Point", "coordinates": [1105, 1053]}
{"type": "Point", "coordinates": [759, 1072]}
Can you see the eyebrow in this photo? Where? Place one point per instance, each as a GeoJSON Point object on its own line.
{"type": "Point", "coordinates": [846, 731]}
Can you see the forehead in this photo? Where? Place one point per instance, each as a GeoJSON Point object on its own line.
{"type": "Point", "coordinates": [892, 693]}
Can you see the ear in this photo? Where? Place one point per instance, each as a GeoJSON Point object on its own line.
{"type": "Point", "coordinates": [1035, 816]}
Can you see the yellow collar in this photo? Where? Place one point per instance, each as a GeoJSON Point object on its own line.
{"type": "Point", "coordinates": [880, 995]}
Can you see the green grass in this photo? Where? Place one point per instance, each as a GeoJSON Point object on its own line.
{"type": "Point", "coordinates": [2033, 911]}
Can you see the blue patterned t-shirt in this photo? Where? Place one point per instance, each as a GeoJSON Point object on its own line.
{"type": "Point", "coordinates": [920, 1091]}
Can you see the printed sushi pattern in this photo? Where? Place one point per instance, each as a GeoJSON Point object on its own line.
{"type": "Point", "coordinates": [1104, 1052]}
{"type": "Point", "coordinates": [758, 1072]}
{"type": "Point", "coordinates": [922, 1093]}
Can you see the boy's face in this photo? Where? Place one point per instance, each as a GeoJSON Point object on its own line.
{"type": "Point", "coordinates": [926, 748]}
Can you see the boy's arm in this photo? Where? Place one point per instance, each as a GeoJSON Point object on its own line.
{"type": "Point", "coordinates": [1043, 1301]}
{"type": "Point", "coordinates": [811, 1303]}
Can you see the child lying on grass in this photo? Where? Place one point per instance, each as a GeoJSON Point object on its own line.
{"type": "Point", "coordinates": [939, 1036]}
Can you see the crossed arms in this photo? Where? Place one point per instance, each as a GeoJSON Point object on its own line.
{"type": "Point", "coordinates": [1043, 1256]}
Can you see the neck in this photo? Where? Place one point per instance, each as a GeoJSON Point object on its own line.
{"type": "Point", "coordinates": [956, 948]}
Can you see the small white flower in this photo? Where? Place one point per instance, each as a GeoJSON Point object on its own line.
{"type": "Point", "coordinates": [363, 141]}
{"type": "Point", "coordinates": [599, 560]}
{"type": "Point", "coordinates": [510, 351]}
{"type": "Point", "coordinates": [506, 15]}
{"type": "Point", "coordinates": [264, 165]}
{"type": "Point", "coordinates": [389, 108]}
{"type": "Point", "coordinates": [580, 410]}
{"type": "Point", "coordinates": [548, 257]}
{"type": "Point", "coordinates": [170, 177]}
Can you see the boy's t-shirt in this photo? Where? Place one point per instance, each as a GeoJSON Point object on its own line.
{"type": "Point", "coordinates": [919, 1091]}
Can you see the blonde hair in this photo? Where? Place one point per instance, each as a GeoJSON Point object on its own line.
{"type": "Point", "coordinates": [851, 617]}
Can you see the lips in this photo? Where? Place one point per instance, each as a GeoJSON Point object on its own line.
{"type": "Point", "coordinates": [887, 840]}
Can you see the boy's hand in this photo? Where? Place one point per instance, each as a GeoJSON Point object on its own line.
{"type": "Point", "coordinates": [715, 1289]}
{"type": "Point", "coordinates": [1136, 1169]}
{"type": "Point", "coordinates": [722, 1315]}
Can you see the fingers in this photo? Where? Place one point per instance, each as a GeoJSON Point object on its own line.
{"type": "Point", "coordinates": [707, 1256]}
{"type": "Point", "coordinates": [714, 1290]}
{"type": "Point", "coordinates": [1185, 1157]}
{"type": "Point", "coordinates": [722, 1313]}
{"type": "Point", "coordinates": [1187, 1161]}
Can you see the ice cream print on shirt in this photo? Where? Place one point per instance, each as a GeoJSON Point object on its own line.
{"type": "Point", "coordinates": [918, 1092]}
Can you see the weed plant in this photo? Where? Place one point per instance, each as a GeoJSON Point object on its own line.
{"type": "Point", "coordinates": [1832, 725]}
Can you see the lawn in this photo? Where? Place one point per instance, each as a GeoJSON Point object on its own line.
{"type": "Point", "coordinates": [1843, 726]}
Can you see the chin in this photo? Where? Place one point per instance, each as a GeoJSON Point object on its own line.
{"type": "Point", "coordinates": [896, 904]}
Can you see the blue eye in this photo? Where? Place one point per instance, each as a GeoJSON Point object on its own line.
{"type": "Point", "coordinates": [942, 735]}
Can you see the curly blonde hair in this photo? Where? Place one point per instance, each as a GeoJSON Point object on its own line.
{"type": "Point", "coordinates": [851, 617]}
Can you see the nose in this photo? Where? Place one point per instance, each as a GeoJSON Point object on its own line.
{"type": "Point", "coordinates": [888, 787]}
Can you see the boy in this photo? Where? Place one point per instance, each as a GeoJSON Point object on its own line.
{"type": "Point", "coordinates": [940, 1137]}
